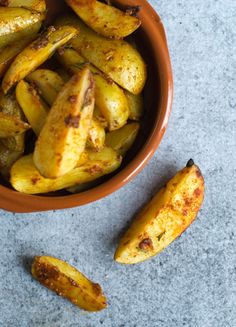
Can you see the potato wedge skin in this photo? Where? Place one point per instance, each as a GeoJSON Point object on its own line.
{"type": "Point", "coordinates": [64, 136]}
{"type": "Point", "coordinates": [8, 53]}
{"type": "Point", "coordinates": [109, 98]}
{"type": "Point", "coordinates": [36, 54]}
{"type": "Point", "coordinates": [165, 218]}
{"type": "Point", "coordinates": [26, 178]}
{"type": "Point", "coordinates": [48, 82]}
{"type": "Point", "coordinates": [34, 109]}
{"type": "Point", "coordinates": [136, 105]}
{"type": "Point", "coordinates": [116, 58]}
{"type": "Point", "coordinates": [66, 281]}
{"type": "Point", "coordinates": [122, 139]}
{"type": "Point", "coordinates": [104, 19]}
{"type": "Point", "coordinates": [96, 137]}
{"type": "Point", "coordinates": [37, 5]}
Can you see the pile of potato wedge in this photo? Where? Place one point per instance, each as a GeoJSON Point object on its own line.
{"type": "Point", "coordinates": [70, 95]}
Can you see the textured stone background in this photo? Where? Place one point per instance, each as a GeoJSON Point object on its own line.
{"type": "Point", "coordinates": [192, 283]}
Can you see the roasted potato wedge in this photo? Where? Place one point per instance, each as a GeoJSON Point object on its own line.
{"type": "Point", "coordinates": [26, 178]}
{"type": "Point", "coordinates": [37, 5]}
{"type": "Point", "coordinates": [33, 107]}
{"type": "Point", "coordinates": [123, 139]}
{"type": "Point", "coordinates": [13, 21]}
{"type": "Point", "coordinates": [96, 137]}
{"type": "Point", "coordinates": [66, 281]}
{"type": "Point", "coordinates": [109, 98]}
{"type": "Point", "coordinates": [36, 54]}
{"type": "Point", "coordinates": [136, 105]}
{"type": "Point", "coordinates": [7, 159]}
{"type": "Point", "coordinates": [64, 136]}
{"type": "Point", "coordinates": [48, 82]}
{"type": "Point", "coordinates": [104, 19]}
{"type": "Point", "coordinates": [99, 116]}
{"type": "Point", "coordinates": [11, 126]}
{"type": "Point", "coordinates": [116, 58]}
{"type": "Point", "coordinates": [8, 53]}
{"type": "Point", "coordinates": [165, 218]}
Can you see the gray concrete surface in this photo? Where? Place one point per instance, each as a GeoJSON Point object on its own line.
{"type": "Point", "coordinates": [192, 283]}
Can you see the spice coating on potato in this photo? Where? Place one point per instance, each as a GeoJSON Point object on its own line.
{"type": "Point", "coordinates": [68, 282]}
{"type": "Point", "coordinates": [38, 5]}
{"type": "Point", "coordinates": [165, 218]}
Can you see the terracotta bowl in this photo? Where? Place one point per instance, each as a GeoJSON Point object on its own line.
{"type": "Point", "coordinates": [158, 94]}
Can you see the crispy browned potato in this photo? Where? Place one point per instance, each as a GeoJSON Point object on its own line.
{"type": "Point", "coordinates": [33, 107]}
{"type": "Point", "coordinates": [38, 5]}
{"type": "Point", "coordinates": [26, 178]}
{"type": "Point", "coordinates": [11, 126]}
{"type": "Point", "coordinates": [104, 19]}
{"type": "Point", "coordinates": [165, 218]}
{"type": "Point", "coordinates": [64, 136]}
{"type": "Point", "coordinates": [8, 53]}
{"type": "Point", "coordinates": [136, 105]}
{"type": "Point", "coordinates": [15, 20]}
{"type": "Point", "coordinates": [96, 137]}
{"type": "Point", "coordinates": [36, 54]}
{"type": "Point", "coordinates": [66, 281]}
{"type": "Point", "coordinates": [48, 82]}
{"type": "Point", "coordinates": [109, 98]}
{"type": "Point", "coordinates": [123, 139]}
{"type": "Point", "coordinates": [116, 58]}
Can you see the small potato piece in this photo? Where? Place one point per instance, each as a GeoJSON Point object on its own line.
{"type": "Point", "coordinates": [13, 21]}
{"type": "Point", "coordinates": [64, 136]}
{"type": "Point", "coordinates": [96, 138]}
{"type": "Point", "coordinates": [122, 139]}
{"type": "Point", "coordinates": [135, 105]}
{"type": "Point", "coordinates": [48, 82]}
{"type": "Point", "coordinates": [7, 159]}
{"type": "Point", "coordinates": [99, 116]}
{"type": "Point", "coordinates": [66, 281]}
{"type": "Point", "coordinates": [8, 53]}
{"type": "Point", "coordinates": [109, 97]}
{"type": "Point", "coordinates": [104, 19]}
{"type": "Point", "coordinates": [34, 109]}
{"type": "Point", "coordinates": [25, 177]}
{"type": "Point", "coordinates": [37, 5]}
{"type": "Point", "coordinates": [11, 126]}
{"type": "Point", "coordinates": [165, 218]}
{"type": "Point", "coordinates": [36, 54]}
{"type": "Point", "coordinates": [116, 58]}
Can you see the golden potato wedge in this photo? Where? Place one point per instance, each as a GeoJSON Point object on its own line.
{"type": "Point", "coordinates": [7, 159]}
{"type": "Point", "coordinates": [66, 281]}
{"type": "Point", "coordinates": [99, 116]}
{"type": "Point", "coordinates": [165, 218]}
{"type": "Point", "coordinates": [136, 105]}
{"type": "Point", "coordinates": [33, 107]}
{"type": "Point", "coordinates": [64, 136]}
{"type": "Point", "coordinates": [109, 98]}
{"type": "Point", "coordinates": [48, 82]}
{"type": "Point", "coordinates": [104, 19]}
{"type": "Point", "coordinates": [96, 137]}
{"type": "Point", "coordinates": [36, 54]}
{"type": "Point", "coordinates": [116, 58]}
{"type": "Point", "coordinates": [15, 20]}
{"type": "Point", "coordinates": [8, 53]}
{"type": "Point", "coordinates": [11, 126]}
{"type": "Point", "coordinates": [26, 178]}
{"type": "Point", "coordinates": [123, 139]}
{"type": "Point", "coordinates": [37, 5]}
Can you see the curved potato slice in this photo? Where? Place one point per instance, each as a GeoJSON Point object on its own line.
{"type": "Point", "coordinates": [136, 105]}
{"type": "Point", "coordinates": [116, 58]}
{"type": "Point", "coordinates": [66, 281]}
{"type": "Point", "coordinates": [165, 218]}
{"type": "Point", "coordinates": [9, 52]}
{"type": "Point", "coordinates": [64, 136]}
{"type": "Point", "coordinates": [26, 178]}
{"type": "Point", "coordinates": [36, 54]}
{"type": "Point", "coordinates": [48, 82]}
{"type": "Point", "coordinates": [123, 139]}
{"type": "Point", "coordinates": [96, 137]}
{"type": "Point", "coordinates": [109, 97]}
{"type": "Point", "coordinates": [34, 109]}
{"type": "Point", "coordinates": [104, 19]}
{"type": "Point", "coordinates": [37, 5]}
{"type": "Point", "coordinates": [11, 126]}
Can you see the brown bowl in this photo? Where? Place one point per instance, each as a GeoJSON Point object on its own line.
{"type": "Point", "coordinates": [158, 95]}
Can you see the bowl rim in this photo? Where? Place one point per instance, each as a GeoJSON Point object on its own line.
{"type": "Point", "coordinates": [14, 201]}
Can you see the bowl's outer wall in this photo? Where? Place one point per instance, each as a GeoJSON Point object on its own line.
{"type": "Point", "coordinates": [152, 26]}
